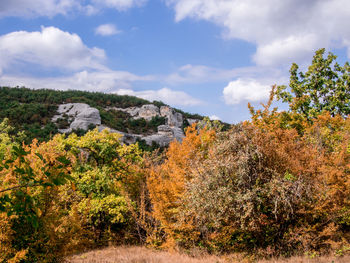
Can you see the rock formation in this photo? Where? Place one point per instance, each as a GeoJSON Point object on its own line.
{"type": "Point", "coordinates": [81, 116]}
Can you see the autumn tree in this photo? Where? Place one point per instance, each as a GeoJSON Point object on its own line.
{"type": "Point", "coordinates": [104, 172]}
{"type": "Point", "coordinates": [30, 177]}
{"type": "Point", "coordinates": [167, 184]}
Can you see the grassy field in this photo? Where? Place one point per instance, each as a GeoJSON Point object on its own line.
{"type": "Point", "coordinates": [144, 255]}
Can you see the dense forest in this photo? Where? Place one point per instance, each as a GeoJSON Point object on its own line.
{"type": "Point", "coordinates": [275, 185]}
{"type": "Point", "coordinates": [31, 111]}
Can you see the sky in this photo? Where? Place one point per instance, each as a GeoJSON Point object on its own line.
{"type": "Point", "coordinates": [210, 57]}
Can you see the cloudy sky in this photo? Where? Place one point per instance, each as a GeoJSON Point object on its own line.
{"type": "Point", "coordinates": [202, 56]}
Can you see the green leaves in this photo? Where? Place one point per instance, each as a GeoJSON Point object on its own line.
{"type": "Point", "coordinates": [324, 86]}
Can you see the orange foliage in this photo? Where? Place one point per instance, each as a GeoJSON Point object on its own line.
{"type": "Point", "coordinates": [29, 181]}
{"type": "Point", "coordinates": [167, 182]}
{"type": "Point", "coordinates": [319, 151]}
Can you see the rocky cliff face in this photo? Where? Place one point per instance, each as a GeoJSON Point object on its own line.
{"type": "Point", "coordinates": [81, 116]}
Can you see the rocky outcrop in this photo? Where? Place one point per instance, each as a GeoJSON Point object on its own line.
{"type": "Point", "coordinates": [191, 121]}
{"type": "Point", "coordinates": [165, 135]}
{"type": "Point", "coordinates": [81, 116]}
{"type": "Point", "coordinates": [174, 119]}
{"type": "Point", "coordinates": [127, 138]}
{"type": "Point", "coordinates": [148, 112]}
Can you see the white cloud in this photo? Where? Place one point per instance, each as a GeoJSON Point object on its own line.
{"type": "Point", "coordinates": [199, 74]}
{"type": "Point", "coordinates": [37, 8]}
{"type": "Point", "coordinates": [245, 90]}
{"type": "Point", "coordinates": [284, 31]}
{"type": "Point", "coordinates": [204, 74]}
{"type": "Point", "coordinates": [214, 118]}
{"type": "Point", "coordinates": [103, 81]}
{"type": "Point", "coordinates": [76, 65]}
{"type": "Point", "coordinates": [301, 47]}
{"type": "Point", "coordinates": [51, 47]}
{"type": "Point", "coordinates": [107, 30]}
{"type": "Point", "coordinates": [168, 96]}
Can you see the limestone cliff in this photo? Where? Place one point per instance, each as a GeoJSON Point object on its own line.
{"type": "Point", "coordinates": [82, 116]}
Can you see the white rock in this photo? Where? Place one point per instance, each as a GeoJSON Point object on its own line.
{"type": "Point", "coordinates": [174, 119]}
{"type": "Point", "coordinates": [165, 135]}
{"type": "Point", "coordinates": [191, 121]}
{"type": "Point", "coordinates": [82, 115]}
{"type": "Point", "coordinates": [161, 140]}
{"type": "Point", "coordinates": [133, 111]}
{"type": "Point", "coordinates": [148, 112]}
{"type": "Point", "coordinates": [178, 133]}
{"type": "Point", "coordinates": [165, 130]}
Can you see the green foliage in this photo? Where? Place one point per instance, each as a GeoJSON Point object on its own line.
{"type": "Point", "coordinates": [122, 121]}
{"type": "Point", "coordinates": [8, 138]}
{"type": "Point", "coordinates": [276, 185]}
{"type": "Point", "coordinates": [140, 126]}
{"type": "Point", "coordinates": [54, 97]}
{"type": "Point", "coordinates": [149, 148]}
{"type": "Point", "coordinates": [325, 86]}
{"type": "Point", "coordinates": [100, 168]}
{"type": "Point", "coordinates": [213, 124]}
{"type": "Point", "coordinates": [31, 111]}
{"type": "Point", "coordinates": [68, 193]}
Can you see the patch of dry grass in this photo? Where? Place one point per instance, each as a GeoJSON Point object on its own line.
{"type": "Point", "coordinates": [144, 255]}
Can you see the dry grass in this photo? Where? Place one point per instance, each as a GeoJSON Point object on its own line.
{"type": "Point", "coordinates": [144, 255]}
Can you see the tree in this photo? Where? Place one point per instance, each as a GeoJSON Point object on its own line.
{"type": "Point", "coordinates": [104, 168]}
{"type": "Point", "coordinates": [29, 180]}
{"type": "Point", "coordinates": [167, 184]}
{"type": "Point", "coordinates": [8, 138]}
{"type": "Point", "coordinates": [325, 86]}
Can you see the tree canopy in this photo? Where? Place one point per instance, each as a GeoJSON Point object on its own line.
{"type": "Point", "coordinates": [325, 86]}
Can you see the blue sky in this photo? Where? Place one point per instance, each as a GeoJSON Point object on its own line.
{"type": "Point", "coordinates": [202, 56]}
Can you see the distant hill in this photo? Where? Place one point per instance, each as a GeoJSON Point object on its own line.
{"type": "Point", "coordinates": [33, 111]}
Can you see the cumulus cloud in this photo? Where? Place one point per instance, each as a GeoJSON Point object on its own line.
{"type": "Point", "coordinates": [245, 90]}
{"type": "Point", "coordinates": [51, 47]}
{"type": "Point", "coordinates": [171, 97]}
{"type": "Point", "coordinates": [282, 30]}
{"type": "Point", "coordinates": [76, 65]}
{"type": "Point", "coordinates": [107, 30]}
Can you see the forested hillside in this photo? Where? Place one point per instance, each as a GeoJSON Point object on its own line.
{"type": "Point", "coordinates": [277, 185]}
{"type": "Point", "coordinates": [31, 111]}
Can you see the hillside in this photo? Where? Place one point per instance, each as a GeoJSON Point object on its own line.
{"type": "Point", "coordinates": [274, 186]}
{"type": "Point", "coordinates": [36, 112]}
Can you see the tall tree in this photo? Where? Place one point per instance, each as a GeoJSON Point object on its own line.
{"type": "Point", "coordinates": [325, 86]}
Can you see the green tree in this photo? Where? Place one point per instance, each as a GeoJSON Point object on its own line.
{"type": "Point", "coordinates": [103, 169]}
{"type": "Point", "coordinates": [8, 138]}
{"type": "Point", "coordinates": [325, 86]}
